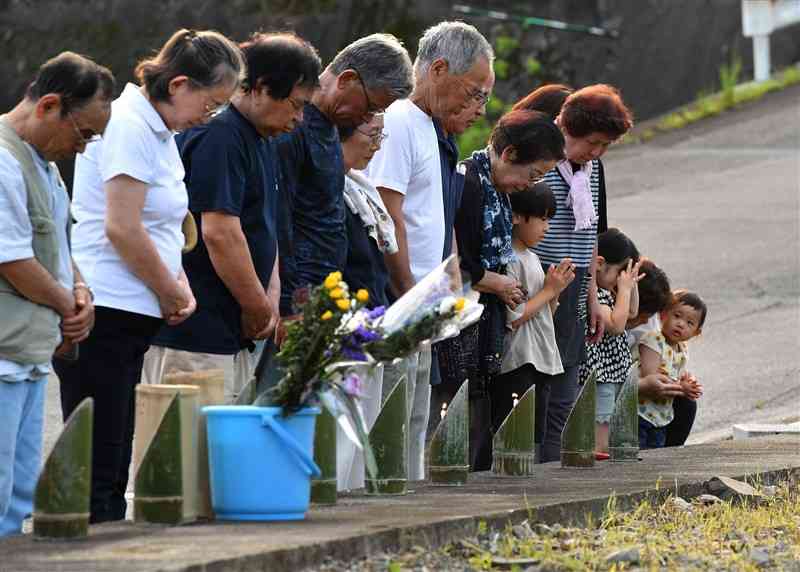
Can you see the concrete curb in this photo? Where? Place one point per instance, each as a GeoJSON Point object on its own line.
{"type": "Point", "coordinates": [430, 517]}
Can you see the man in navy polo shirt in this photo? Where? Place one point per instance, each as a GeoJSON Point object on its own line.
{"type": "Point", "coordinates": [232, 181]}
{"type": "Point", "coordinates": [361, 81]}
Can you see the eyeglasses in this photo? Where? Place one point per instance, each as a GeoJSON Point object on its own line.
{"type": "Point", "coordinates": [372, 109]}
{"type": "Point", "coordinates": [296, 105]}
{"type": "Point", "coordinates": [478, 96]}
{"type": "Point", "coordinates": [376, 138]}
{"type": "Point", "coordinates": [85, 135]}
{"type": "Point", "coordinates": [535, 176]}
{"type": "Point", "coordinates": [213, 108]}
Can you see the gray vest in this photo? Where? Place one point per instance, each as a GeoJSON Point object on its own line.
{"type": "Point", "coordinates": [29, 332]}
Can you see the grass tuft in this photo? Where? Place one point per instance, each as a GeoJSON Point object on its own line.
{"type": "Point", "coordinates": [730, 96]}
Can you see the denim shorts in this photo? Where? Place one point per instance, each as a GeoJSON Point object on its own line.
{"type": "Point", "coordinates": [606, 397]}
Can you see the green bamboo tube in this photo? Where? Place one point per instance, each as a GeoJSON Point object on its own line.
{"type": "Point", "coordinates": [323, 489]}
{"type": "Point", "coordinates": [578, 436]}
{"type": "Point", "coordinates": [152, 404]}
{"type": "Point", "coordinates": [448, 454]}
{"type": "Point", "coordinates": [248, 394]}
{"type": "Point", "coordinates": [623, 437]}
{"type": "Point", "coordinates": [513, 446]}
{"type": "Point", "coordinates": [165, 485]}
{"type": "Point", "coordinates": [61, 498]}
{"type": "Point", "coordinates": [388, 441]}
{"type": "Point", "coordinates": [211, 391]}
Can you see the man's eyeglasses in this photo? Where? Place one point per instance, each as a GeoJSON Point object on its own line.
{"type": "Point", "coordinates": [372, 109]}
{"type": "Point", "coordinates": [85, 135]}
{"type": "Point", "coordinates": [213, 108]}
{"type": "Point", "coordinates": [478, 96]}
{"type": "Point", "coordinates": [296, 105]}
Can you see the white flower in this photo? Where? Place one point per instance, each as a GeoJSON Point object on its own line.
{"type": "Point", "coordinates": [357, 319]}
{"type": "Point", "coordinates": [447, 304]}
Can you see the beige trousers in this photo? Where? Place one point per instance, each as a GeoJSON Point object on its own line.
{"type": "Point", "coordinates": [238, 367]}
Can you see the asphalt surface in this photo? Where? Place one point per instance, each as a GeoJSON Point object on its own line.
{"type": "Point", "coordinates": [717, 205]}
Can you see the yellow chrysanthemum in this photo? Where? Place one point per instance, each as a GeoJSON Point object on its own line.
{"type": "Point", "coordinates": [343, 304]}
{"type": "Point", "coordinates": [362, 296]}
{"type": "Point", "coordinates": [336, 293]}
{"type": "Point", "coordinates": [327, 315]}
{"type": "Point", "coordinates": [459, 305]}
{"type": "Point", "coordinates": [332, 281]}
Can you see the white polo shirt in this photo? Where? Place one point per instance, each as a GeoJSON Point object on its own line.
{"type": "Point", "coordinates": [138, 144]}
{"type": "Point", "coordinates": [408, 163]}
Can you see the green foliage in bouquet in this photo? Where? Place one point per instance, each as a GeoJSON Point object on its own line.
{"type": "Point", "coordinates": [407, 339]}
{"type": "Point", "coordinates": [313, 343]}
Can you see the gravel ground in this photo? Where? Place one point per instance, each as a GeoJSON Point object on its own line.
{"type": "Point", "coordinates": [758, 534]}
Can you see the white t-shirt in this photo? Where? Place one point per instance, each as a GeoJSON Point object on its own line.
{"type": "Point", "coordinates": [534, 342]}
{"type": "Point", "coordinates": [16, 236]}
{"type": "Point", "coordinates": [408, 163]}
{"type": "Point", "coordinates": [633, 336]}
{"type": "Point", "coordinates": [136, 143]}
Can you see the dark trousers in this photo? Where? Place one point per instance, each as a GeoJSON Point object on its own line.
{"type": "Point", "coordinates": [571, 339]}
{"type": "Point", "coordinates": [650, 436]}
{"type": "Point", "coordinates": [680, 427]}
{"type": "Point", "coordinates": [108, 369]}
{"type": "Point", "coordinates": [519, 381]}
{"type": "Point", "coordinates": [563, 390]}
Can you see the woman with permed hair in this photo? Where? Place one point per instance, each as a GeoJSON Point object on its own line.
{"type": "Point", "coordinates": [591, 119]}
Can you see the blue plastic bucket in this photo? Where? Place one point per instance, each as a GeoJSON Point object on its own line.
{"type": "Point", "coordinates": [260, 463]}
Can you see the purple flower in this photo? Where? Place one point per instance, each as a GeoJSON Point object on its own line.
{"type": "Point", "coordinates": [353, 353]}
{"type": "Point", "coordinates": [364, 335]}
{"type": "Point", "coordinates": [376, 313]}
{"type": "Point", "coordinates": [352, 385]}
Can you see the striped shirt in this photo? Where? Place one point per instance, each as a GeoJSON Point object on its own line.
{"type": "Point", "coordinates": [562, 240]}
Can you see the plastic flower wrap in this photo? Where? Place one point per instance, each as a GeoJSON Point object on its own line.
{"type": "Point", "coordinates": [337, 339]}
{"type": "Point", "coordinates": [433, 310]}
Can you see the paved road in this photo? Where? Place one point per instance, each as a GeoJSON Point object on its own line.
{"type": "Point", "coordinates": [716, 205]}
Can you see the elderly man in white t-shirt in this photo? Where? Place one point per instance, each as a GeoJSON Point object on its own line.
{"type": "Point", "coordinates": [453, 70]}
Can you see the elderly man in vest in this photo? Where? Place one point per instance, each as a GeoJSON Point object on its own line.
{"type": "Point", "coordinates": [46, 307]}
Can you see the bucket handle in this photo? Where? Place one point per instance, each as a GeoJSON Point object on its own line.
{"type": "Point", "coordinates": [306, 461]}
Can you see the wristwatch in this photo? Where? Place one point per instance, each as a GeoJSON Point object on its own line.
{"type": "Point", "coordinates": [85, 286]}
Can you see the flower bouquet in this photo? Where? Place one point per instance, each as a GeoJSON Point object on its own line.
{"type": "Point", "coordinates": [337, 331]}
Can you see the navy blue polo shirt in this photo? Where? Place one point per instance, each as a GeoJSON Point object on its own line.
{"type": "Point", "coordinates": [312, 171]}
{"type": "Point", "coordinates": [231, 169]}
{"type": "Point", "coordinates": [452, 184]}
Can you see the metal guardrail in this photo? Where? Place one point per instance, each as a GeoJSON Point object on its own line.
{"type": "Point", "coordinates": [759, 19]}
{"type": "Point", "coordinates": [533, 21]}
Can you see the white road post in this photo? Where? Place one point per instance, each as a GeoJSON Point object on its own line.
{"type": "Point", "coordinates": [759, 19]}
